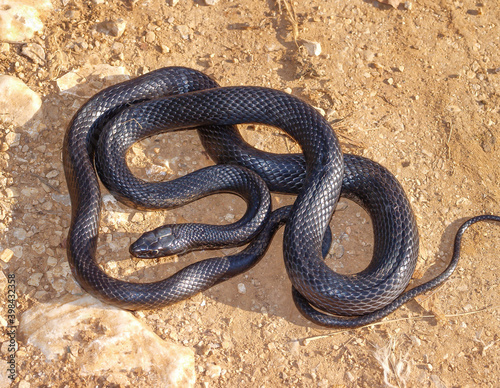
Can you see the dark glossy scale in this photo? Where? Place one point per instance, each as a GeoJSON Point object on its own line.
{"type": "Point", "coordinates": [118, 116]}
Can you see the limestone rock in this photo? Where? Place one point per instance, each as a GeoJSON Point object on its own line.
{"type": "Point", "coordinates": [18, 103]}
{"type": "Point", "coordinates": [87, 80]}
{"type": "Point", "coordinates": [107, 339]}
{"type": "Point", "coordinates": [21, 19]}
{"type": "Point", "coordinates": [313, 48]}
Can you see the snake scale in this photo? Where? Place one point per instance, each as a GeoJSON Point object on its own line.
{"type": "Point", "coordinates": [176, 98]}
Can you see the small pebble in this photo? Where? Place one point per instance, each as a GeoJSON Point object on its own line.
{"type": "Point", "coordinates": [38, 247]}
{"type": "Point", "coordinates": [213, 371]}
{"type": "Point", "coordinates": [114, 28]}
{"type": "Point", "coordinates": [241, 288]}
{"type": "Point", "coordinates": [313, 48]}
{"type": "Point", "coordinates": [184, 31]}
{"type": "Point", "coordinates": [6, 255]}
{"type": "Point", "coordinates": [52, 174]}
{"type": "Point", "coordinates": [150, 37]}
{"type": "Point", "coordinates": [20, 234]}
{"type": "Point", "coordinates": [34, 280]}
{"type": "Point", "coordinates": [35, 52]}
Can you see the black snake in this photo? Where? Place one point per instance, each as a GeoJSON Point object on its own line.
{"type": "Point", "coordinates": [176, 98]}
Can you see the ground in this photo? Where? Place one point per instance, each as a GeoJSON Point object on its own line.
{"type": "Point", "coordinates": [416, 88]}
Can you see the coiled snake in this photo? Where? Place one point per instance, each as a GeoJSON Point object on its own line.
{"type": "Point", "coordinates": [175, 98]}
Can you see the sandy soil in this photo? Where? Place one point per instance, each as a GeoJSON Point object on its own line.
{"type": "Point", "coordinates": [414, 88]}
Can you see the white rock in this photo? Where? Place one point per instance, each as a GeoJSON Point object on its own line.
{"type": "Point", "coordinates": [63, 199]}
{"type": "Point", "coordinates": [123, 343]}
{"type": "Point", "coordinates": [12, 139]}
{"type": "Point", "coordinates": [52, 174]}
{"type": "Point", "coordinates": [184, 30]}
{"type": "Point", "coordinates": [211, 2]}
{"type": "Point", "coordinates": [20, 234]}
{"type": "Point", "coordinates": [213, 371]}
{"type": "Point", "coordinates": [18, 103]}
{"type": "Point", "coordinates": [34, 280]}
{"type": "Point", "coordinates": [75, 81]}
{"type": "Point", "coordinates": [313, 48]}
{"type": "Point", "coordinates": [241, 288]}
{"type": "Point", "coordinates": [21, 19]}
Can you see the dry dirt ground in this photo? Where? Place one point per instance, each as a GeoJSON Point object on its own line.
{"type": "Point", "coordinates": [414, 88]}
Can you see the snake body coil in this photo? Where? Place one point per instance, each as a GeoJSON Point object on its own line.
{"type": "Point", "coordinates": [176, 98]}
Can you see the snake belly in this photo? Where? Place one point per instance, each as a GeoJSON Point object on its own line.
{"type": "Point", "coordinates": [175, 98]}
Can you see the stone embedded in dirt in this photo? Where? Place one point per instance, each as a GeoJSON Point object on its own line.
{"type": "Point", "coordinates": [21, 19]}
{"type": "Point", "coordinates": [35, 52]}
{"type": "Point", "coordinates": [34, 279]}
{"type": "Point", "coordinates": [241, 288]}
{"type": "Point", "coordinates": [184, 30]}
{"type": "Point", "coordinates": [313, 48]}
{"type": "Point", "coordinates": [6, 255]}
{"type": "Point", "coordinates": [109, 340]}
{"type": "Point", "coordinates": [211, 2]}
{"type": "Point", "coordinates": [18, 103]}
{"type": "Point", "coordinates": [78, 82]}
{"type": "Point", "coordinates": [150, 36]}
{"type": "Point", "coordinates": [114, 28]}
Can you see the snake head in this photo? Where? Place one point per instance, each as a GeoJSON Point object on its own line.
{"type": "Point", "coordinates": [159, 242]}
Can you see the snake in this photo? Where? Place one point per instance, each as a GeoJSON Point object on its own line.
{"type": "Point", "coordinates": [177, 98]}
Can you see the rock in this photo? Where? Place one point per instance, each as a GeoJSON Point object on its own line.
{"type": "Point", "coordinates": [313, 48]}
{"type": "Point", "coordinates": [241, 288]}
{"type": "Point", "coordinates": [34, 280]}
{"type": "Point", "coordinates": [21, 19]}
{"type": "Point", "coordinates": [35, 52]}
{"type": "Point", "coordinates": [3, 281]}
{"type": "Point", "coordinates": [213, 371]}
{"type": "Point", "coordinates": [109, 340]}
{"type": "Point", "coordinates": [63, 199]}
{"type": "Point", "coordinates": [114, 28]}
{"type": "Point", "coordinates": [150, 36]}
{"type": "Point", "coordinates": [337, 250]}
{"type": "Point", "coordinates": [76, 82]}
{"type": "Point", "coordinates": [6, 255]}
{"type": "Point", "coordinates": [18, 103]}
{"type": "Point", "coordinates": [184, 30]}
{"type": "Point", "coordinates": [20, 234]}
{"type": "Point", "coordinates": [211, 2]}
